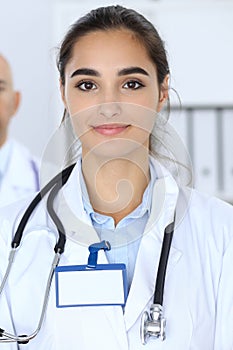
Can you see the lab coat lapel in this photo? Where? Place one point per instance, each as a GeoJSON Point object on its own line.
{"type": "Point", "coordinates": [143, 284]}
{"type": "Point", "coordinates": [69, 207]}
{"type": "Point", "coordinates": [21, 178]}
{"type": "Point", "coordinates": [162, 213]}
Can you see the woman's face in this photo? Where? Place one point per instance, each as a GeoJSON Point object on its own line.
{"type": "Point", "coordinates": [111, 91]}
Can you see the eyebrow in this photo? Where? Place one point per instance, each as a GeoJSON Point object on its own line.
{"type": "Point", "coordinates": [132, 70]}
{"type": "Point", "coordinates": [85, 71]}
{"type": "Point", "coordinates": [2, 82]}
{"type": "Point", "coordinates": [95, 73]}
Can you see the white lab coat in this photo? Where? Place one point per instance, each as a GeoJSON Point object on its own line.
{"type": "Point", "coordinates": [198, 295]}
{"type": "Point", "coordinates": [22, 176]}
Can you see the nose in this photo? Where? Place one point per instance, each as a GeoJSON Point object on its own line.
{"type": "Point", "coordinates": [109, 110]}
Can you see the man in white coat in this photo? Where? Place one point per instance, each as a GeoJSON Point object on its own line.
{"type": "Point", "coordinates": [18, 168]}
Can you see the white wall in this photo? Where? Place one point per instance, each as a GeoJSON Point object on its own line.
{"type": "Point", "coordinates": [26, 40]}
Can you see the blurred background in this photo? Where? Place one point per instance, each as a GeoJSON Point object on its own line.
{"type": "Point", "coordinates": [198, 38]}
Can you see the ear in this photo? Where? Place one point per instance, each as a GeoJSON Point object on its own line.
{"type": "Point", "coordinates": [62, 91]}
{"type": "Point", "coordinates": [163, 95]}
{"type": "Point", "coordinates": [16, 101]}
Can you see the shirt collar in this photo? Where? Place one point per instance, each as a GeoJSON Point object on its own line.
{"type": "Point", "coordinates": [145, 205]}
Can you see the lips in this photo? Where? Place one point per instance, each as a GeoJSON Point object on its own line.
{"type": "Point", "coordinates": [110, 129]}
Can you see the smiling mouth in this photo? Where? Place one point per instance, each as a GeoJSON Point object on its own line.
{"type": "Point", "coordinates": [110, 129]}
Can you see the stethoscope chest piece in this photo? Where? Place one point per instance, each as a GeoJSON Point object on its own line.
{"type": "Point", "coordinates": [153, 324]}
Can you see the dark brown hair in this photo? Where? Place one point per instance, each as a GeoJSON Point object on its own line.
{"type": "Point", "coordinates": [118, 17]}
{"type": "Point", "coordinates": [115, 17]}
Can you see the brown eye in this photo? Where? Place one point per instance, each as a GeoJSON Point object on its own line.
{"type": "Point", "coordinates": [86, 86]}
{"type": "Point", "coordinates": [133, 85]}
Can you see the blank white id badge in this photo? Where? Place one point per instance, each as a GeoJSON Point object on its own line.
{"type": "Point", "coordinates": [79, 285]}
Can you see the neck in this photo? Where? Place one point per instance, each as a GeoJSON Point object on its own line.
{"type": "Point", "coordinates": [116, 186]}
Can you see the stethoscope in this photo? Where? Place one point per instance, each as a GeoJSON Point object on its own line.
{"type": "Point", "coordinates": [152, 323]}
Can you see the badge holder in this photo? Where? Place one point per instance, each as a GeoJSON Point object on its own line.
{"type": "Point", "coordinates": [92, 284]}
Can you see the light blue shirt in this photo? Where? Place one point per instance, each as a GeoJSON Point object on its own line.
{"type": "Point", "coordinates": [5, 154]}
{"type": "Point", "coordinates": [126, 236]}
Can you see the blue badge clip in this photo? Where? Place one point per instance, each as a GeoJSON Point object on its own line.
{"type": "Point", "coordinates": [110, 281]}
{"type": "Point", "coordinates": [94, 249]}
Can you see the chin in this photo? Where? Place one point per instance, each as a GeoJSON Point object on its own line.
{"type": "Point", "coordinates": [115, 149]}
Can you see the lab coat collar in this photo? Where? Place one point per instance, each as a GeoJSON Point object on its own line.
{"type": "Point", "coordinates": [70, 209]}
{"type": "Point", "coordinates": [77, 221]}
{"type": "Point", "coordinates": [164, 200]}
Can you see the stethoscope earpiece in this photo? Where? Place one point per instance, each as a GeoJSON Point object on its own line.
{"type": "Point", "coordinates": [153, 324]}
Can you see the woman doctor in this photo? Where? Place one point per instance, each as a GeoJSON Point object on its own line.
{"type": "Point", "coordinates": [114, 84]}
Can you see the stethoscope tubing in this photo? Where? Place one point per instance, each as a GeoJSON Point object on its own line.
{"type": "Point", "coordinates": [54, 185]}
{"type": "Point", "coordinates": [24, 339]}
{"type": "Point", "coordinates": [60, 245]}
{"type": "Point", "coordinates": [164, 255]}
{"type": "Point", "coordinates": [60, 179]}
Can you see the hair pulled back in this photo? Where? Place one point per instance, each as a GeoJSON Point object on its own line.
{"type": "Point", "coordinates": [115, 17]}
